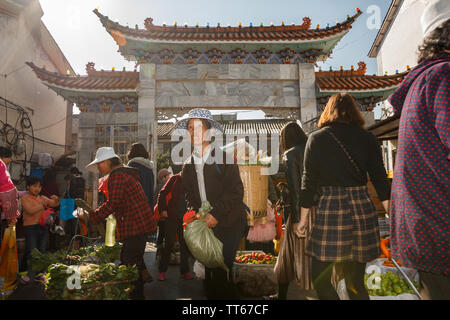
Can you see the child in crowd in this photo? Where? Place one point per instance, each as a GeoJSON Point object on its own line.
{"type": "Point", "coordinates": [34, 205]}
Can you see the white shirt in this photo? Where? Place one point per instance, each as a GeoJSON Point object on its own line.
{"type": "Point", "coordinates": [199, 163]}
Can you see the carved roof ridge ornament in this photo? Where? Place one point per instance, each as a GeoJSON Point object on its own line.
{"type": "Point", "coordinates": [362, 67]}
{"type": "Point", "coordinates": [90, 66]}
{"type": "Point", "coordinates": [148, 23]}
{"type": "Point", "coordinates": [306, 23]}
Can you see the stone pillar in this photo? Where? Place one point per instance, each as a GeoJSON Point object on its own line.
{"type": "Point", "coordinates": [307, 85]}
{"type": "Point", "coordinates": [86, 143]}
{"type": "Point", "coordinates": [147, 122]}
{"type": "Point", "coordinates": [68, 139]}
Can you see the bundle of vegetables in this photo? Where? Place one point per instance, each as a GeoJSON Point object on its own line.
{"type": "Point", "coordinates": [103, 254]}
{"type": "Point", "coordinates": [40, 261]}
{"type": "Point", "coordinates": [90, 282]}
{"type": "Point", "coordinates": [256, 258]}
{"type": "Point", "coordinates": [391, 285]}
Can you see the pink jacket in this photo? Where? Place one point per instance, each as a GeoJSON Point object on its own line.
{"type": "Point", "coordinates": [5, 181]}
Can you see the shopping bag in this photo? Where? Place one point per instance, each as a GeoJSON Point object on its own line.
{"type": "Point", "coordinates": [263, 232]}
{"type": "Point", "coordinates": [48, 218]}
{"type": "Point", "coordinates": [201, 241]}
{"type": "Point", "coordinates": [66, 208]}
{"type": "Point", "coordinates": [8, 263]}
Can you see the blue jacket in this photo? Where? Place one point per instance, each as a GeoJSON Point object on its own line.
{"type": "Point", "coordinates": [146, 176]}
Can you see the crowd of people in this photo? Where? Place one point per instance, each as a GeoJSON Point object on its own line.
{"type": "Point", "coordinates": [329, 216]}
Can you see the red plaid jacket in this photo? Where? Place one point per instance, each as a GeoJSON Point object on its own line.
{"type": "Point", "coordinates": [128, 202]}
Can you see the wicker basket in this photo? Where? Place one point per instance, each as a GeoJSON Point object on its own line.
{"type": "Point", "coordinates": [256, 192]}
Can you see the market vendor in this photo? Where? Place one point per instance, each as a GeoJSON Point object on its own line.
{"type": "Point", "coordinates": [129, 204]}
{"type": "Point", "coordinates": [205, 178]}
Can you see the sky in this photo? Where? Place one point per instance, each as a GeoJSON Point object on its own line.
{"type": "Point", "coordinates": [83, 39]}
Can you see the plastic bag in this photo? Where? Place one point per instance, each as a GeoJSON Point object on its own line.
{"type": "Point", "coordinates": [8, 263]}
{"type": "Point", "coordinates": [412, 274]}
{"type": "Point", "coordinates": [199, 270]}
{"type": "Point", "coordinates": [264, 232]}
{"type": "Point", "coordinates": [66, 208]}
{"type": "Point", "coordinates": [202, 243]}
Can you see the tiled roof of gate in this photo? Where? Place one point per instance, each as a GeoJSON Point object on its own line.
{"type": "Point", "coordinates": [228, 33]}
{"type": "Point", "coordinates": [346, 80]}
{"type": "Point", "coordinates": [95, 80]}
{"type": "Point", "coordinates": [237, 127]}
{"type": "Point", "coordinates": [354, 80]}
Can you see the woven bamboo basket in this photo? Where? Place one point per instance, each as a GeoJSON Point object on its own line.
{"type": "Point", "coordinates": [256, 191]}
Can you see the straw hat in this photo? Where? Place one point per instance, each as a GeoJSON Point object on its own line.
{"type": "Point", "coordinates": [199, 114]}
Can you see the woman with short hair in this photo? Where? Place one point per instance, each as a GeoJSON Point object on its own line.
{"type": "Point", "coordinates": [338, 158]}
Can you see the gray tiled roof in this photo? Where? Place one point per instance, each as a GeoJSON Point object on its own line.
{"type": "Point", "coordinates": [237, 127]}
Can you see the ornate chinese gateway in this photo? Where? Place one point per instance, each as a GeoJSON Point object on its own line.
{"type": "Point", "coordinates": [256, 67]}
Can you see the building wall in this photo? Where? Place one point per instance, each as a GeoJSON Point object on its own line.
{"type": "Point", "coordinates": [94, 131]}
{"type": "Point", "coordinates": [20, 42]}
{"type": "Point", "coordinates": [399, 47]}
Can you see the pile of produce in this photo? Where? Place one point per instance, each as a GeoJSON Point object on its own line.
{"type": "Point", "coordinates": [88, 273]}
{"type": "Point", "coordinates": [391, 285]}
{"type": "Point", "coordinates": [256, 258]}
{"type": "Point", "coordinates": [96, 282]}
{"type": "Point", "coordinates": [253, 274]}
{"type": "Point", "coordinates": [103, 254]}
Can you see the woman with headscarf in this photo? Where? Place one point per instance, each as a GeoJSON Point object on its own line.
{"type": "Point", "coordinates": [206, 177]}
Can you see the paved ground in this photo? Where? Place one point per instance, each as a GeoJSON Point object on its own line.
{"type": "Point", "coordinates": [173, 288]}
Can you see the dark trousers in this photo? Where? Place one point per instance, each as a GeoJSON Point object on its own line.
{"type": "Point", "coordinates": [36, 236]}
{"type": "Point", "coordinates": [354, 279]}
{"type": "Point", "coordinates": [172, 228]}
{"type": "Point", "coordinates": [434, 286]}
{"type": "Point", "coordinates": [161, 231]}
{"type": "Point", "coordinates": [133, 254]}
{"type": "Point", "coordinates": [219, 285]}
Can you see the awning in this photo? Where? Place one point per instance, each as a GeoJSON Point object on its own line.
{"type": "Point", "coordinates": [386, 129]}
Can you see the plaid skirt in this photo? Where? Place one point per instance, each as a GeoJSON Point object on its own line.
{"type": "Point", "coordinates": [345, 226]}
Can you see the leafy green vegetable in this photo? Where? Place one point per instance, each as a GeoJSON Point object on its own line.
{"type": "Point", "coordinates": [390, 285]}
{"type": "Point", "coordinates": [97, 282]}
